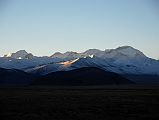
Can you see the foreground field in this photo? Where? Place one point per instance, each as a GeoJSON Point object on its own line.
{"type": "Point", "coordinates": [76, 104]}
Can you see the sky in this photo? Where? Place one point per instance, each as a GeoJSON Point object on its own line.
{"type": "Point", "coordinates": [43, 27]}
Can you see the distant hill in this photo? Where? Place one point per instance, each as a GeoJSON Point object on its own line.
{"type": "Point", "coordinates": [144, 79]}
{"type": "Point", "coordinates": [82, 77]}
{"type": "Point", "coordinates": [15, 77]}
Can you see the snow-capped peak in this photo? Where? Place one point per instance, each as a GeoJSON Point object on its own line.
{"type": "Point", "coordinates": [92, 52]}
{"type": "Point", "coordinates": [124, 51]}
{"type": "Point", "coordinates": [130, 51]}
{"type": "Point", "coordinates": [57, 55]}
{"type": "Point", "coordinates": [69, 55]}
{"type": "Point", "coordinates": [21, 54]}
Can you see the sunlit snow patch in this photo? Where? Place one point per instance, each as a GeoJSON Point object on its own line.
{"type": "Point", "coordinates": [68, 63]}
{"type": "Point", "coordinates": [91, 56]}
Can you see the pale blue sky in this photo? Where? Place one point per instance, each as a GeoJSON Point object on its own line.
{"type": "Point", "coordinates": [46, 26]}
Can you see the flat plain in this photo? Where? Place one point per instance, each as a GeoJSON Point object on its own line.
{"type": "Point", "coordinates": [47, 103]}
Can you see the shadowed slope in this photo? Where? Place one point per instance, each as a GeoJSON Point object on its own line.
{"type": "Point", "coordinates": [82, 77]}
{"type": "Point", "coordinates": [14, 77]}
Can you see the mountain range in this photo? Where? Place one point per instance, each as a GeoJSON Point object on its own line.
{"type": "Point", "coordinates": [126, 61]}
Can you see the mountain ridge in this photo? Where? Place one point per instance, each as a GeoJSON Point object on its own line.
{"type": "Point", "coordinates": [23, 53]}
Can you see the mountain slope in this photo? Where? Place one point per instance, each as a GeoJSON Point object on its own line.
{"type": "Point", "coordinates": [22, 64]}
{"type": "Point", "coordinates": [82, 77]}
{"type": "Point", "coordinates": [70, 65]}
